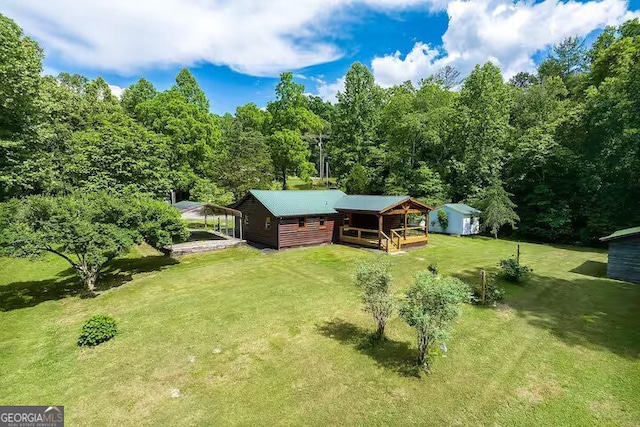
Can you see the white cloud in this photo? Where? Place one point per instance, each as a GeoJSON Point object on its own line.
{"type": "Point", "coordinates": [329, 91]}
{"type": "Point", "coordinates": [421, 62]}
{"type": "Point", "coordinates": [116, 90]}
{"type": "Point", "coordinates": [507, 33]}
{"type": "Point", "coordinates": [254, 37]}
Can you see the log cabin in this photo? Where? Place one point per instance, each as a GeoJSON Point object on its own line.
{"type": "Point", "coordinates": [291, 218]}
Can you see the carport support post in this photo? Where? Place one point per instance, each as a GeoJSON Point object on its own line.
{"type": "Point", "coordinates": [240, 219]}
{"type": "Point", "coordinates": [226, 225]}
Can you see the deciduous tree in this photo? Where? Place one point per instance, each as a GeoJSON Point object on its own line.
{"type": "Point", "coordinates": [86, 229]}
{"type": "Point", "coordinates": [430, 307]}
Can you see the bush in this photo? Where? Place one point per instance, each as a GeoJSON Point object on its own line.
{"type": "Point", "coordinates": [433, 269]}
{"type": "Point", "coordinates": [98, 329]}
{"type": "Point", "coordinates": [443, 220]}
{"type": "Point", "coordinates": [374, 280]}
{"type": "Point", "coordinates": [430, 307]}
{"type": "Point", "coordinates": [492, 293]}
{"type": "Point", "coordinates": [513, 271]}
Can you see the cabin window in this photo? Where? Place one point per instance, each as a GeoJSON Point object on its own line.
{"type": "Point", "coordinates": [246, 220]}
{"type": "Point", "coordinates": [346, 220]}
{"type": "Point", "coordinates": [267, 223]}
{"type": "Point", "coordinates": [323, 223]}
{"type": "Point", "coordinates": [473, 219]}
{"type": "Point", "coordinates": [302, 223]}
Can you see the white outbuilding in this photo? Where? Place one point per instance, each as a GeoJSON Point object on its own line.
{"type": "Point", "coordinates": [461, 219]}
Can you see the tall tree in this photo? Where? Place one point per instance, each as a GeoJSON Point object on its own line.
{"type": "Point", "coordinates": [194, 135]}
{"type": "Point", "coordinates": [290, 120]}
{"type": "Point", "coordinates": [119, 154]}
{"type": "Point", "coordinates": [569, 61]}
{"type": "Point", "coordinates": [246, 163]}
{"type": "Point", "coordinates": [482, 131]}
{"type": "Point", "coordinates": [20, 68]}
{"type": "Point", "coordinates": [355, 138]}
{"type": "Point", "coordinates": [187, 86]}
{"type": "Point", "coordinates": [289, 154]}
{"type": "Point", "coordinates": [497, 209]}
{"type": "Point", "coordinates": [137, 93]}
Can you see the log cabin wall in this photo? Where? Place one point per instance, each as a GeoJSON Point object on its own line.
{"type": "Point", "coordinates": [312, 233]}
{"type": "Point", "coordinates": [254, 222]}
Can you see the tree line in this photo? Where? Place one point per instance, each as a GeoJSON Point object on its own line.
{"type": "Point", "coordinates": [556, 152]}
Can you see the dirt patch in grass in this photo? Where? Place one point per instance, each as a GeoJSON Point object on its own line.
{"type": "Point", "coordinates": [539, 389]}
{"type": "Point", "coordinates": [505, 312]}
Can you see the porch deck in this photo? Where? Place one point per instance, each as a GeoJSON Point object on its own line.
{"type": "Point", "coordinates": [399, 237]}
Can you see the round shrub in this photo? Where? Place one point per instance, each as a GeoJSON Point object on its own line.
{"type": "Point", "coordinates": [98, 329]}
{"type": "Point", "coordinates": [513, 271]}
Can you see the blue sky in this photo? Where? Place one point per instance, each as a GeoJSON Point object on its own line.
{"type": "Point", "coordinates": [237, 48]}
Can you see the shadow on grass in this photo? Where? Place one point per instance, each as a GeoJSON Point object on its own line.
{"type": "Point", "coordinates": [591, 268]}
{"type": "Point", "coordinates": [586, 311]}
{"type": "Point", "coordinates": [66, 283]}
{"type": "Point", "coordinates": [394, 355]}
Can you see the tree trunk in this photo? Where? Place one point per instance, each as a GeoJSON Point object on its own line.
{"type": "Point", "coordinates": [89, 277]}
{"type": "Point", "coordinates": [284, 179]}
{"type": "Point", "coordinates": [90, 283]}
{"type": "Point", "coordinates": [380, 330]}
{"type": "Point", "coordinates": [423, 349]}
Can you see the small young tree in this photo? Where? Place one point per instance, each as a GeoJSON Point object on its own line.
{"type": "Point", "coordinates": [443, 219]}
{"type": "Point", "coordinates": [431, 305]}
{"type": "Point", "coordinates": [497, 209]}
{"type": "Point", "coordinates": [87, 230]}
{"type": "Point", "coordinates": [374, 280]}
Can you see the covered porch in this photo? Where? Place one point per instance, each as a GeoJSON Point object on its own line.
{"type": "Point", "coordinates": [383, 222]}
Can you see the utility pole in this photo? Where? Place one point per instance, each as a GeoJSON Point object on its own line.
{"type": "Point", "coordinates": [320, 159]}
{"type": "Point", "coordinates": [327, 174]}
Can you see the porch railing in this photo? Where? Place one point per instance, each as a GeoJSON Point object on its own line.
{"type": "Point", "coordinates": [392, 242]}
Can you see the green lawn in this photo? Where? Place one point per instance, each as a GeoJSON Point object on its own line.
{"type": "Point", "coordinates": [295, 183]}
{"type": "Point", "coordinates": [279, 338]}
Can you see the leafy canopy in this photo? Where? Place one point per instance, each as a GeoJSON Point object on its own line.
{"type": "Point", "coordinates": [86, 229]}
{"type": "Point", "coordinates": [430, 307]}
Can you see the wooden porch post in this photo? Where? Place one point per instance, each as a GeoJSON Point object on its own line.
{"type": "Point", "coordinates": [240, 219]}
{"type": "Point", "coordinates": [226, 225]}
{"type": "Point", "coordinates": [426, 224]}
{"type": "Point", "coordinates": [405, 225]}
{"type": "Point", "coordinates": [379, 232]}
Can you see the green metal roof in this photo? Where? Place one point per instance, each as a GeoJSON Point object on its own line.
{"type": "Point", "coordinates": [365, 203]}
{"type": "Point", "coordinates": [298, 202]}
{"type": "Point", "coordinates": [185, 205]}
{"type": "Point", "coordinates": [462, 208]}
{"type": "Point", "coordinates": [627, 232]}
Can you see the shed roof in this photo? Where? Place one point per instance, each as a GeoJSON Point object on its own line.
{"type": "Point", "coordinates": [462, 208]}
{"type": "Point", "coordinates": [298, 202]}
{"type": "Point", "coordinates": [621, 234]}
{"type": "Point", "coordinates": [366, 203]}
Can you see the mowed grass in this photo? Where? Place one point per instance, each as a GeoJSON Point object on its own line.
{"type": "Point", "coordinates": [247, 337]}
